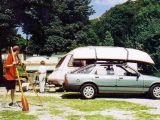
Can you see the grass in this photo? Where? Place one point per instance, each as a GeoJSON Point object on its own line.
{"type": "Point", "coordinates": [74, 117]}
{"type": "Point", "coordinates": [56, 112]}
{"type": "Point", "coordinates": [57, 107]}
{"type": "Point", "coordinates": [91, 117]}
{"type": "Point", "coordinates": [146, 116]}
{"type": "Point", "coordinates": [92, 105]}
{"type": "Point", "coordinates": [99, 117]}
{"type": "Point", "coordinates": [15, 115]}
{"type": "Point", "coordinates": [96, 105]}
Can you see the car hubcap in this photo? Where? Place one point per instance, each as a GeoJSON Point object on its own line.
{"type": "Point", "coordinates": [156, 92]}
{"type": "Point", "coordinates": [88, 91]}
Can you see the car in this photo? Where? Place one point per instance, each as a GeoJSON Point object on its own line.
{"type": "Point", "coordinates": [83, 56]}
{"type": "Point", "coordinates": [110, 78]}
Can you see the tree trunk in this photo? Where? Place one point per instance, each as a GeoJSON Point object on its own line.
{"type": "Point", "coordinates": [1, 70]}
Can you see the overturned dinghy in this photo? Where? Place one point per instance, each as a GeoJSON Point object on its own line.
{"type": "Point", "coordinates": [111, 53]}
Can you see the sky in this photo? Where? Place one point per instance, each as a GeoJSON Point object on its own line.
{"type": "Point", "coordinates": [100, 6]}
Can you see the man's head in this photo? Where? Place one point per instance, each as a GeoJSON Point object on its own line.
{"type": "Point", "coordinates": [16, 49]}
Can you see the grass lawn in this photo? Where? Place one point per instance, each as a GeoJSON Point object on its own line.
{"type": "Point", "coordinates": [75, 109]}
{"type": "Point", "coordinates": [15, 115]}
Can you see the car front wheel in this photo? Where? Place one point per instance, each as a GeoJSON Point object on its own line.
{"type": "Point", "coordinates": [88, 91]}
{"type": "Point", "coordinates": [155, 91]}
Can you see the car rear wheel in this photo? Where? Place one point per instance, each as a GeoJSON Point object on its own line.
{"type": "Point", "coordinates": [155, 91]}
{"type": "Point", "coordinates": [88, 91]}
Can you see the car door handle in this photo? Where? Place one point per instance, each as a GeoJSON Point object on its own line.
{"type": "Point", "coordinates": [77, 80]}
{"type": "Point", "coordinates": [97, 77]}
{"type": "Point", "coordinates": [120, 77]}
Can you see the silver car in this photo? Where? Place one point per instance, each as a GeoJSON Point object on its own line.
{"type": "Point", "coordinates": [110, 78]}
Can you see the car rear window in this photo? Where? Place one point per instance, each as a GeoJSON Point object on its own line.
{"type": "Point", "coordinates": [84, 70]}
{"type": "Point", "coordinates": [60, 62]}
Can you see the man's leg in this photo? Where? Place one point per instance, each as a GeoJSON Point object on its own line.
{"type": "Point", "coordinates": [13, 95]}
{"type": "Point", "coordinates": [40, 86]}
{"type": "Point", "coordinates": [42, 83]}
{"type": "Point", "coordinates": [5, 95]}
{"type": "Point", "coordinates": [5, 98]}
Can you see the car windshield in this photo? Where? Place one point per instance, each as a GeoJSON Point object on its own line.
{"type": "Point", "coordinates": [130, 70]}
{"type": "Point", "coordinates": [148, 70]}
{"type": "Point", "coordinates": [84, 70]}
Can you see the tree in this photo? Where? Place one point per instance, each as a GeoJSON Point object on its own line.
{"type": "Point", "coordinates": [69, 26]}
{"type": "Point", "coordinates": [134, 24]}
{"type": "Point", "coordinates": [52, 23]}
{"type": "Point", "coordinates": [108, 41]}
{"type": "Point", "coordinates": [7, 30]}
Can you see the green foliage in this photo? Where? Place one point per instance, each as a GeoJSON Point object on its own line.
{"type": "Point", "coordinates": [134, 24]}
{"type": "Point", "coordinates": [7, 29]}
{"type": "Point", "coordinates": [108, 41]}
{"type": "Point", "coordinates": [87, 37]}
{"type": "Point", "coordinates": [59, 26]}
{"type": "Point", "coordinates": [20, 40]}
{"type": "Point", "coordinates": [7, 24]}
{"type": "Point", "coordinates": [55, 25]}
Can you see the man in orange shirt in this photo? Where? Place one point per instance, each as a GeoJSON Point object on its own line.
{"type": "Point", "coordinates": [10, 75]}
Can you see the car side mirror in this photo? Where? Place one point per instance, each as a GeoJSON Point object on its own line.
{"type": "Point", "coordinates": [96, 72]}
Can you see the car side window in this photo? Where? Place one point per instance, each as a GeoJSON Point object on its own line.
{"type": "Point", "coordinates": [125, 71]}
{"type": "Point", "coordinates": [105, 70]}
{"type": "Point", "coordinates": [120, 71]}
{"type": "Point", "coordinates": [101, 71]}
{"type": "Point", "coordinates": [110, 70]}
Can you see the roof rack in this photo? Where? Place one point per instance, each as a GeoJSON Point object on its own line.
{"type": "Point", "coordinates": [111, 62]}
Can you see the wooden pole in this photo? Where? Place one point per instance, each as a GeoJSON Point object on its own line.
{"type": "Point", "coordinates": [25, 106]}
{"type": "Point", "coordinates": [28, 78]}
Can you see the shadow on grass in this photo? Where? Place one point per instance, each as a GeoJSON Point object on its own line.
{"type": "Point", "coordinates": [72, 96]}
{"type": "Point", "coordinates": [103, 96]}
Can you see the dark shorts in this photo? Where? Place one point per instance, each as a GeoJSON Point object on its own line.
{"type": "Point", "coordinates": [2, 82]}
{"type": "Point", "coordinates": [10, 84]}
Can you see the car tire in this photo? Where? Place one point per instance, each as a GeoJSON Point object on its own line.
{"type": "Point", "coordinates": [154, 91]}
{"type": "Point", "coordinates": [88, 91]}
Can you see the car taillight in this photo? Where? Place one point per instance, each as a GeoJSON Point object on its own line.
{"type": "Point", "coordinates": [65, 80]}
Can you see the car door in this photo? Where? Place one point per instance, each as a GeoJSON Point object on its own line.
{"type": "Point", "coordinates": [105, 80]}
{"type": "Point", "coordinates": [128, 80]}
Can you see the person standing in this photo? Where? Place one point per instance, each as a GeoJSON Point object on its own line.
{"type": "Point", "coordinates": [42, 70]}
{"type": "Point", "coordinates": [10, 75]}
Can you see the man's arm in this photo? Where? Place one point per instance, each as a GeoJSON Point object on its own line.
{"type": "Point", "coordinates": [9, 62]}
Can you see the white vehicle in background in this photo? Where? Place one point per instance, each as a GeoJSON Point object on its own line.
{"type": "Point", "coordinates": [83, 56]}
{"type": "Point", "coordinates": [33, 63]}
